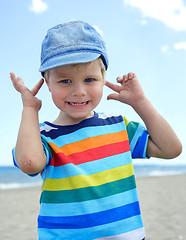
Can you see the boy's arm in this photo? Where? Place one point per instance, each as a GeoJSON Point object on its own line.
{"type": "Point", "coordinates": [163, 142]}
{"type": "Point", "coordinates": [29, 153]}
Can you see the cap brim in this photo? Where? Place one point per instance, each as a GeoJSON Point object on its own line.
{"type": "Point", "coordinates": [63, 60]}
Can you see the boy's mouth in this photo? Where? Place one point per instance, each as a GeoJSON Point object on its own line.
{"type": "Point", "coordinates": [78, 104]}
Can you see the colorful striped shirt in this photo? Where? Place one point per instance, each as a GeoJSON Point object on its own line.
{"type": "Point", "coordinates": [89, 190]}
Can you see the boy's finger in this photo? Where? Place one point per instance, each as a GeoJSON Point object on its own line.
{"type": "Point", "coordinates": [17, 82]}
{"type": "Point", "coordinates": [12, 76]}
{"type": "Point", "coordinates": [36, 88]}
{"type": "Point", "coordinates": [130, 75]}
{"type": "Point", "coordinates": [112, 86]}
{"type": "Point", "coordinates": [113, 96]}
{"type": "Point", "coordinates": [119, 79]}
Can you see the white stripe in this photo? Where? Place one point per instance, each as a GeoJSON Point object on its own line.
{"type": "Point", "coordinates": [106, 115]}
{"type": "Point", "coordinates": [46, 128]}
{"type": "Point", "coordinates": [137, 234]}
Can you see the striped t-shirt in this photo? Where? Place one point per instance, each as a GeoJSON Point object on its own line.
{"type": "Point", "coordinates": [89, 190]}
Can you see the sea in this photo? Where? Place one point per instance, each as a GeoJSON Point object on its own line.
{"type": "Point", "coordinates": [11, 177]}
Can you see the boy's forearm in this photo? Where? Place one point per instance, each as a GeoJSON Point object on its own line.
{"type": "Point", "coordinates": [29, 153]}
{"type": "Point", "coordinates": [163, 142]}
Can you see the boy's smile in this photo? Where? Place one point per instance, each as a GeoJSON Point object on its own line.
{"type": "Point", "coordinates": [76, 104]}
{"type": "Point", "coordinates": [76, 90]}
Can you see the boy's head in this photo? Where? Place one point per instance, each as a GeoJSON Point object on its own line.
{"type": "Point", "coordinates": [71, 43]}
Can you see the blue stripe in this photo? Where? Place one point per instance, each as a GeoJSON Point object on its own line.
{"type": "Point", "coordinates": [82, 134]}
{"type": "Point", "coordinates": [90, 220]}
{"type": "Point", "coordinates": [14, 159]}
{"type": "Point", "coordinates": [141, 146]}
{"type": "Point", "coordinates": [111, 229]}
{"type": "Point", "coordinates": [69, 170]}
{"type": "Point", "coordinates": [92, 206]}
{"type": "Point", "coordinates": [90, 122]}
{"type": "Point", "coordinates": [140, 130]}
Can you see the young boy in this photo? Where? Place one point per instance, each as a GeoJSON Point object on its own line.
{"type": "Point", "coordinates": [85, 158]}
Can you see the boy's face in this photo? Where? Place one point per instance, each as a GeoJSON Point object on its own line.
{"type": "Point", "coordinates": [76, 90]}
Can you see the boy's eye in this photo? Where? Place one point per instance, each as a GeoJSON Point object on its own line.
{"type": "Point", "coordinates": [65, 81]}
{"type": "Point", "coordinates": [89, 79]}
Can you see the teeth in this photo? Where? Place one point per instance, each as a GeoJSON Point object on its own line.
{"type": "Point", "coordinates": [77, 104]}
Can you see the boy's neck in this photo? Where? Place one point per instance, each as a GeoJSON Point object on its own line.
{"type": "Point", "coordinates": [63, 120]}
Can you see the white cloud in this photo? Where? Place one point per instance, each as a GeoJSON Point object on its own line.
{"type": "Point", "coordinates": [171, 12]}
{"type": "Point", "coordinates": [177, 46]}
{"type": "Point", "coordinates": [38, 6]}
{"type": "Point", "coordinates": [181, 45]}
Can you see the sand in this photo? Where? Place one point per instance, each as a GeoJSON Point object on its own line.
{"type": "Point", "coordinates": [162, 199]}
{"type": "Point", "coordinates": [163, 207]}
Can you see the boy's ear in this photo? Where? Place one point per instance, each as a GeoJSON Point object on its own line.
{"type": "Point", "coordinates": [47, 83]}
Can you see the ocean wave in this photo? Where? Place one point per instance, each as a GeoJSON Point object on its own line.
{"type": "Point", "coordinates": [6, 186]}
{"type": "Point", "coordinates": [158, 170]}
{"type": "Point", "coordinates": [163, 173]}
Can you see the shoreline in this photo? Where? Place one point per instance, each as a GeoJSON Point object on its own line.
{"type": "Point", "coordinates": [162, 200]}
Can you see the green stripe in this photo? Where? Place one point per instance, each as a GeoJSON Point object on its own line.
{"type": "Point", "coordinates": [88, 193]}
{"type": "Point", "coordinates": [131, 129]}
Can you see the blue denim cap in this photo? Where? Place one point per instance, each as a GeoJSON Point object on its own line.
{"type": "Point", "coordinates": [71, 43]}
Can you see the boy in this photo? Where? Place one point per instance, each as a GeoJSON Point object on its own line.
{"type": "Point", "coordinates": [85, 158]}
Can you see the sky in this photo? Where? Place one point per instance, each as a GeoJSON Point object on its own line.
{"type": "Point", "coordinates": [147, 37]}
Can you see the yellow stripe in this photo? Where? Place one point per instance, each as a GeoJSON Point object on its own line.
{"type": "Point", "coordinates": [89, 143]}
{"type": "Point", "coordinates": [82, 181]}
{"type": "Point", "coordinates": [125, 121]}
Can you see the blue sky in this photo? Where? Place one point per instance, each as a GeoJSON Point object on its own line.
{"type": "Point", "coordinates": [147, 37]}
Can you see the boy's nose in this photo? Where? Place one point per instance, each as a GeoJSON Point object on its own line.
{"type": "Point", "coordinates": [79, 91]}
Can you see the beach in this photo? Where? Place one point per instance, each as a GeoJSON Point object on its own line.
{"type": "Point", "coordinates": [163, 206]}
{"type": "Point", "coordinates": [162, 200]}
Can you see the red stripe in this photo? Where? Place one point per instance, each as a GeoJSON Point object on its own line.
{"type": "Point", "coordinates": [91, 154]}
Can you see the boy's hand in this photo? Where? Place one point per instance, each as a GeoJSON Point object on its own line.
{"type": "Point", "coordinates": [28, 96]}
{"type": "Point", "coordinates": [130, 91]}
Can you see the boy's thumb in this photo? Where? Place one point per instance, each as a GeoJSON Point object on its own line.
{"type": "Point", "coordinates": [113, 96]}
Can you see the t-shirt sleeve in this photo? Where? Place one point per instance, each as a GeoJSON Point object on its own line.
{"type": "Point", "coordinates": [138, 138]}
{"type": "Point", "coordinates": [47, 151]}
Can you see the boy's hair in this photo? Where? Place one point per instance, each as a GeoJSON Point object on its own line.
{"type": "Point", "coordinates": [71, 43]}
{"type": "Point", "coordinates": [77, 65]}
